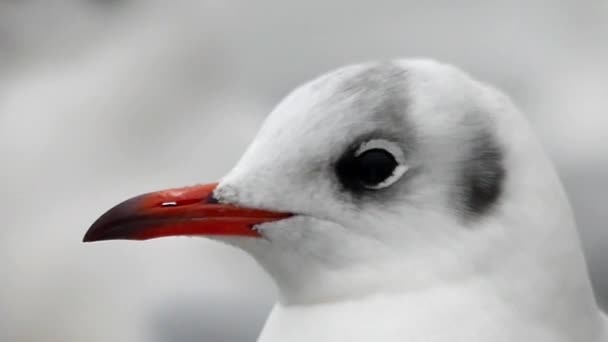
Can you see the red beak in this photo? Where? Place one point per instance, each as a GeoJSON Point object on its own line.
{"type": "Point", "coordinates": [186, 211]}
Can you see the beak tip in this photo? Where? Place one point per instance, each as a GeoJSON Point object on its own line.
{"type": "Point", "coordinates": [89, 236]}
{"type": "Point", "coordinates": [99, 232]}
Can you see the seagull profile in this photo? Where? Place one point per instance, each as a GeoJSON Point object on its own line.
{"type": "Point", "coordinates": [393, 201]}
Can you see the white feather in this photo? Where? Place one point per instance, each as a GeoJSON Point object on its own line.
{"type": "Point", "coordinates": [411, 269]}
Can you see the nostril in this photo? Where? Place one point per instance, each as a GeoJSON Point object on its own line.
{"type": "Point", "coordinates": [212, 199]}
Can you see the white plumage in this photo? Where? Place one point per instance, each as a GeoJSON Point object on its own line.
{"type": "Point", "coordinates": [475, 242]}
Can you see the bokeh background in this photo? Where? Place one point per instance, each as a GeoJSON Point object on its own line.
{"type": "Point", "coordinates": [104, 99]}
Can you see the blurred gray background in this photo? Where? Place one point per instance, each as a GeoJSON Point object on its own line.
{"type": "Point", "coordinates": [101, 100]}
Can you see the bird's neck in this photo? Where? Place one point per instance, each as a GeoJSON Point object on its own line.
{"type": "Point", "coordinates": [527, 292]}
{"type": "Point", "coordinates": [473, 310]}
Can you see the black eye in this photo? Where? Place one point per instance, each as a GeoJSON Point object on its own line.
{"type": "Point", "coordinates": [376, 164]}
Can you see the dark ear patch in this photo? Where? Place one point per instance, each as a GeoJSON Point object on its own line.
{"type": "Point", "coordinates": [482, 177]}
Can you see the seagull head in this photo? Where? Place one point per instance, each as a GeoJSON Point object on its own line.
{"type": "Point", "coordinates": [393, 176]}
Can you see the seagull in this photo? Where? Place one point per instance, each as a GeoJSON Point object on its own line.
{"type": "Point", "coordinates": [393, 201]}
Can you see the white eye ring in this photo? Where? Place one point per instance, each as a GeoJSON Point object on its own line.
{"type": "Point", "coordinates": [395, 151]}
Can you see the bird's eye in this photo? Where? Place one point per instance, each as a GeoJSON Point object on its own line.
{"type": "Point", "coordinates": [376, 164]}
